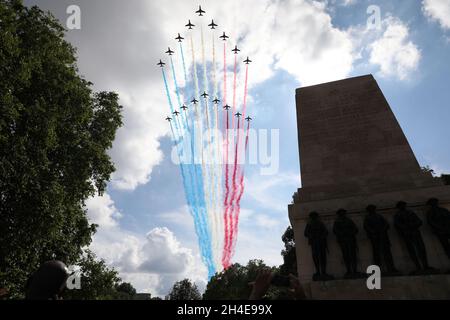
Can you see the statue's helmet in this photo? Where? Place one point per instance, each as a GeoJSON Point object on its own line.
{"type": "Point", "coordinates": [401, 205]}
{"type": "Point", "coordinates": [313, 215]}
{"type": "Point", "coordinates": [371, 208]}
{"type": "Point", "coordinates": [433, 202]}
{"type": "Point", "coordinates": [341, 212]}
{"type": "Point", "coordinates": [48, 281]}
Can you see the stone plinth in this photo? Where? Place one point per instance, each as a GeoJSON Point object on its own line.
{"type": "Point", "coordinates": [430, 287]}
{"type": "Point", "coordinates": [353, 153]}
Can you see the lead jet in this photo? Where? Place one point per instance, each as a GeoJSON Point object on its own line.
{"type": "Point", "coordinates": [176, 112]}
{"type": "Point", "coordinates": [194, 101]}
{"type": "Point", "coordinates": [212, 25]}
{"type": "Point", "coordinates": [235, 50]}
{"type": "Point", "coordinates": [160, 63]}
{"type": "Point", "coordinates": [170, 52]}
{"type": "Point", "coordinates": [169, 119]}
{"type": "Point", "coordinates": [226, 107]}
{"type": "Point", "coordinates": [216, 101]}
{"type": "Point", "coordinates": [190, 25]}
{"type": "Point", "coordinates": [248, 119]}
{"type": "Point", "coordinates": [247, 61]}
{"type": "Point", "coordinates": [238, 114]}
{"type": "Point", "coordinates": [224, 37]}
{"type": "Point", "coordinates": [184, 107]}
{"type": "Point", "coordinates": [179, 38]}
{"type": "Point", "coordinates": [200, 11]}
{"type": "Point", "coordinates": [204, 94]}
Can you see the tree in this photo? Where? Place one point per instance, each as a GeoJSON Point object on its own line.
{"type": "Point", "coordinates": [98, 282]}
{"type": "Point", "coordinates": [289, 265]}
{"type": "Point", "coordinates": [184, 290]}
{"type": "Point", "coordinates": [54, 137]}
{"type": "Point", "coordinates": [233, 283]}
{"type": "Point", "coordinates": [126, 290]}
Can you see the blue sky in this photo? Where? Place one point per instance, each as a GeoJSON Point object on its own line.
{"type": "Point", "coordinates": [293, 43]}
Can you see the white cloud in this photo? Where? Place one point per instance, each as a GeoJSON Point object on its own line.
{"type": "Point", "coordinates": [136, 148]}
{"type": "Point", "coordinates": [348, 2]}
{"type": "Point", "coordinates": [438, 10]}
{"type": "Point", "coordinates": [101, 211]}
{"type": "Point", "coordinates": [394, 53]}
{"type": "Point", "coordinates": [152, 263]}
{"type": "Point", "coordinates": [164, 253]}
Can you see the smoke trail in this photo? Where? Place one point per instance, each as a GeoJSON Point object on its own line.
{"type": "Point", "coordinates": [177, 91]}
{"type": "Point", "coordinates": [184, 63]}
{"type": "Point", "coordinates": [233, 196]}
{"type": "Point", "coordinates": [200, 171]}
{"type": "Point", "coordinates": [213, 196]}
{"type": "Point", "coordinates": [241, 192]}
{"type": "Point", "coordinates": [225, 202]}
{"type": "Point", "coordinates": [240, 173]}
{"type": "Point", "coordinates": [233, 184]}
{"type": "Point", "coordinates": [210, 190]}
{"type": "Point", "coordinates": [217, 168]}
{"type": "Point", "coordinates": [168, 96]}
{"type": "Point", "coordinates": [234, 89]}
{"type": "Point", "coordinates": [225, 262]}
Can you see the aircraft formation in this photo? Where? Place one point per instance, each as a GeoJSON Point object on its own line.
{"type": "Point", "coordinates": [209, 133]}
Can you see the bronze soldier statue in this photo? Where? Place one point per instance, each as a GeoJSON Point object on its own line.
{"type": "Point", "coordinates": [408, 226]}
{"type": "Point", "coordinates": [317, 233]}
{"type": "Point", "coordinates": [439, 220]}
{"type": "Point", "coordinates": [345, 230]}
{"type": "Point", "coordinates": [377, 228]}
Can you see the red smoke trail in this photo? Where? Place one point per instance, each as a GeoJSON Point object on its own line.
{"type": "Point", "coordinates": [235, 209]}
{"type": "Point", "coordinates": [225, 203]}
{"type": "Point", "coordinates": [229, 204]}
{"type": "Point", "coordinates": [227, 185]}
{"type": "Point", "coordinates": [233, 197]}
{"type": "Point", "coordinates": [244, 107]}
{"type": "Point", "coordinates": [241, 192]}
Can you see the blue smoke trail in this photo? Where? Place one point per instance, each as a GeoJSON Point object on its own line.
{"type": "Point", "coordinates": [204, 242]}
{"type": "Point", "coordinates": [168, 97]}
{"type": "Point", "coordinates": [196, 201]}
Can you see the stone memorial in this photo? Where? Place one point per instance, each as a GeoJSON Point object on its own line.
{"type": "Point", "coordinates": [353, 154]}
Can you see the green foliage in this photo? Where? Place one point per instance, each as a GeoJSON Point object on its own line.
{"type": "Point", "coordinates": [445, 179]}
{"type": "Point", "coordinates": [125, 291]}
{"type": "Point", "coordinates": [233, 283]}
{"type": "Point", "coordinates": [427, 169]}
{"type": "Point", "coordinates": [98, 282]}
{"type": "Point", "coordinates": [184, 290]}
{"type": "Point", "coordinates": [54, 137]}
